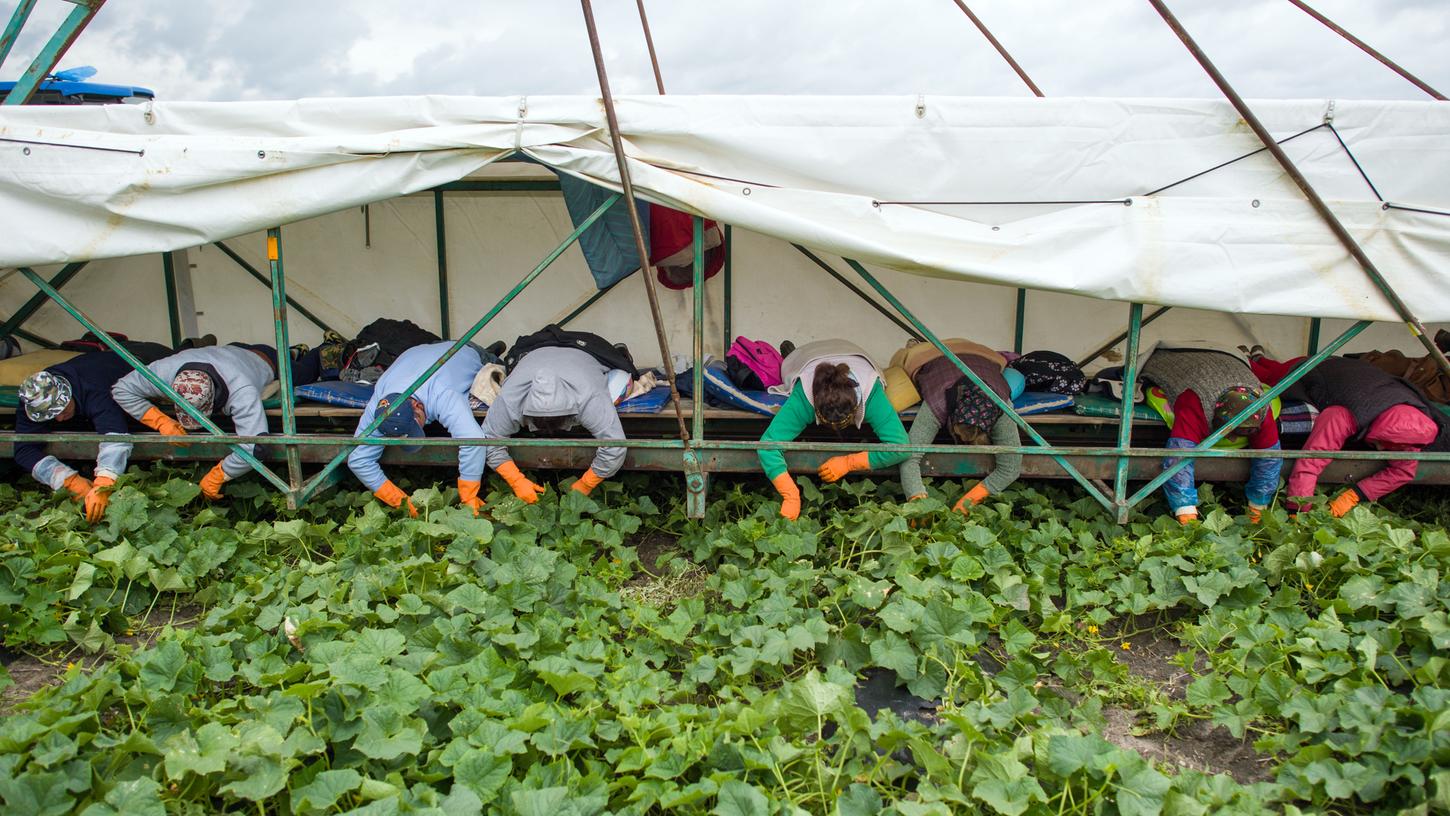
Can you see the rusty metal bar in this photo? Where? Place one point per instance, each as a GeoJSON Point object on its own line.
{"type": "Point", "coordinates": [627, 188]}
{"type": "Point", "coordinates": [857, 291]}
{"type": "Point", "coordinates": [1365, 47]}
{"type": "Point", "coordinates": [649, 42]}
{"type": "Point", "coordinates": [1330, 219]}
{"type": "Point", "coordinates": [982, 27]}
{"type": "Point", "coordinates": [59, 43]}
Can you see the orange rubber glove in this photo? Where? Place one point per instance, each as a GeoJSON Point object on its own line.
{"type": "Point", "coordinates": [468, 495]}
{"type": "Point", "coordinates": [78, 485]}
{"type": "Point", "coordinates": [971, 498]}
{"type": "Point", "coordinates": [837, 467]}
{"type": "Point", "coordinates": [527, 491]}
{"type": "Point", "coordinates": [98, 498]}
{"type": "Point", "coordinates": [1256, 514]}
{"type": "Point", "coordinates": [790, 496]}
{"type": "Point", "coordinates": [1343, 503]}
{"type": "Point", "coordinates": [1188, 518]}
{"type": "Point", "coordinates": [393, 496]}
{"type": "Point", "coordinates": [588, 482]}
{"type": "Point", "coordinates": [211, 483]}
{"type": "Point", "coordinates": [161, 423]}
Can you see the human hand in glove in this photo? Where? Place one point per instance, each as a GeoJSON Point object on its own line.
{"type": "Point", "coordinates": [162, 424]}
{"type": "Point", "coordinates": [588, 482]}
{"type": "Point", "coordinates": [393, 496]}
{"type": "Point", "coordinates": [97, 499]}
{"type": "Point", "coordinates": [790, 496]}
{"type": "Point", "coordinates": [78, 485]}
{"type": "Point", "coordinates": [971, 498]}
{"type": "Point", "coordinates": [1343, 503]}
{"type": "Point", "coordinates": [1256, 513]}
{"type": "Point", "coordinates": [211, 483]}
{"type": "Point", "coordinates": [468, 495]}
{"type": "Point", "coordinates": [527, 491]}
{"type": "Point", "coordinates": [837, 467]}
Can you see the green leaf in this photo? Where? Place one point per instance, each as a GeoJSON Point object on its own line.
{"type": "Point", "coordinates": [541, 802]}
{"type": "Point", "coordinates": [37, 794]}
{"type": "Point", "coordinates": [85, 576]}
{"type": "Point", "coordinates": [738, 798]}
{"type": "Point", "coordinates": [324, 790]}
{"type": "Point", "coordinates": [261, 777]}
{"type": "Point", "coordinates": [136, 797]}
{"type": "Point", "coordinates": [203, 752]}
{"type": "Point", "coordinates": [892, 651]}
{"type": "Point", "coordinates": [858, 800]}
{"type": "Point", "coordinates": [388, 734]}
{"type": "Point", "coordinates": [1069, 753]}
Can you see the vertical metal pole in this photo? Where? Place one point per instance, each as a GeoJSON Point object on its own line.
{"type": "Point", "coordinates": [284, 361]}
{"type": "Point", "coordinates": [1125, 421]}
{"type": "Point", "coordinates": [1364, 46]}
{"type": "Point", "coordinates": [627, 187]}
{"type": "Point", "coordinates": [725, 289]}
{"type": "Point", "coordinates": [1314, 324]}
{"type": "Point", "coordinates": [60, 42]}
{"type": "Point", "coordinates": [442, 235]}
{"type": "Point", "coordinates": [1021, 321]}
{"type": "Point", "coordinates": [649, 43]}
{"type": "Point", "coordinates": [13, 28]}
{"type": "Point", "coordinates": [173, 309]}
{"type": "Point", "coordinates": [696, 480]}
{"type": "Point", "coordinates": [1328, 216]}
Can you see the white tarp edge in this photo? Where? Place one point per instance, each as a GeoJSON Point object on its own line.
{"type": "Point", "coordinates": [80, 183]}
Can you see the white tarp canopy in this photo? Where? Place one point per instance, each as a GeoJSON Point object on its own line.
{"type": "Point", "coordinates": [1059, 187]}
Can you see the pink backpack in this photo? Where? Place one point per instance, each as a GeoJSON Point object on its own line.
{"type": "Point", "coordinates": [760, 357]}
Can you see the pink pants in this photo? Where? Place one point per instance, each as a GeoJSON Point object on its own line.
{"type": "Point", "coordinates": [1402, 427]}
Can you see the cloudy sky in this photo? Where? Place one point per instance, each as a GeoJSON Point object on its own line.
{"type": "Point", "coordinates": [273, 49]}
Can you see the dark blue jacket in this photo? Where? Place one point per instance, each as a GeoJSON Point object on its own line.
{"type": "Point", "coordinates": [91, 376]}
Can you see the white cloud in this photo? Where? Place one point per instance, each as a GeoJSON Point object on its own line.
{"type": "Point", "coordinates": [248, 49]}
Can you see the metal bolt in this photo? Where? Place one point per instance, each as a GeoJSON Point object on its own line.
{"type": "Point", "coordinates": [261, 154]}
{"type": "Point", "coordinates": [25, 150]}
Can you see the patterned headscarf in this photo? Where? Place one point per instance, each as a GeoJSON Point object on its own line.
{"type": "Point", "coordinates": [1233, 401]}
{"type": "Point", "coordinates": [969, 407]}
{"type": "Point", "coordinates": [198, 389]}
{"type": "Point", "coordinates": [45, 396]}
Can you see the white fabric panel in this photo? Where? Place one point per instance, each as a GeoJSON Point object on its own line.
{"type": "Point", "coordinates": [806, 169]}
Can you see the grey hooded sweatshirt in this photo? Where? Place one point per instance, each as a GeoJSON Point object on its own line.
{"type": "Point", "coordinates": [551, 382]}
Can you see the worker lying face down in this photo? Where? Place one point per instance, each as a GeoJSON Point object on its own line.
{"type": "Point", "coordinates": [549, 390]}
{"type": "Point", "coordinates": [443, 398]}
{"type": "Point", "coordinates": [950, 399]}
{"type": "Point", "coordinates": [1204, 385]}
{"type": "Point", "coordinates": [1363, 405]}
{"type": "Point", "coordinates": [78, 389]}
{"type": "Point", "coordinates": [215, 380]}
{"type": "Point", "coordinates": [834, 384]}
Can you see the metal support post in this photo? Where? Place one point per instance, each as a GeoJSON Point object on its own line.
{"type": "Point", "coordinates": [725, 295]}
{"type": "Point", "coordinates": [1125, 419]}
{"type": "Point", "coordinates": [1314, 326]}
{"type": "Point", "coordinates": [1328, 216]}
{"type": "Point", "coordinates": [284, 361]}
{"type": "Point", "coordinates": [266, 281]}
{"type": "Point", "coordinates": [649, 43]}
{"type": "Point", "coordinates": [31, 306]}
{"type": "Point", "coordinates": [627, 187]}
{"type": "Point", "coordinates": [149, 376]}
{"type": "Point", "coordinates": [1106, 347]}
{"type": "Point", "coordinates": [593, 299]}
{"type": "Point", "coordinates": [59, 43]}
{"type": "Point", "coordinates": [977, 381]}
{"type": "Point", "coordinates": [318, 480]}
{"type": "Point", "coordinates": [13, 28]}
{"type": "Point", "coordinates": [173, 309]}
{"type": "Point", "coordinates": [1021, 323]}
{"type": "Point", "coordinates": [1000, 49]}
{"type": "Point", "coordinates": [442, 235]}
{"type": "Point", "coordinates": [856, 290]}
{"type": "Point", "coordinates": [1254, 407]}
{"type": "Point", "coordinates": [695, 478]}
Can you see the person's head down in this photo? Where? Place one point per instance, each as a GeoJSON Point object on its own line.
{"type": "Point", "coordinates": [835, 395]}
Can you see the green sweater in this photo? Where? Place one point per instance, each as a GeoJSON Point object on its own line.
{"type": "Point", "coordinates": [797, 414]}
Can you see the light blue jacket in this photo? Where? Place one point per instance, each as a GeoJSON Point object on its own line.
{"type": "Point", "coordinates": [445, 400]}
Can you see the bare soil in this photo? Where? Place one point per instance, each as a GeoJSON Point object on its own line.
{"type": "Point", "coordinates": [1199, 745]}
{"type": "Point", "coordinates": [31, 673]}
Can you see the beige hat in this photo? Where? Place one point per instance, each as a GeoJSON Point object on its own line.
{"type": "Point", "coordinates": [486, 385]}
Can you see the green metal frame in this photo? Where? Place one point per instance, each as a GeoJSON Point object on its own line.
{"type": "Point", "coordinates": [284, 361]}
{"type": "Point", "coordinates": [31, 306]}
{"type": "Point", "coordinates": [1020, 324]}
{"type": "Point", "coordinates": [442, 235]}
{"type": "Point", "coordinates": [54, 49]}
{"type": "Point", "coordinates": [13, 28]}
{"type": "Point", "coordinates": [173, 307]}
{"type": "Point", "coordinates": [267, 281]}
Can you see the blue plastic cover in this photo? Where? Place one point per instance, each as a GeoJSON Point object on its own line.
{"type": "Point", "coordinates": [87, 89]}
{"type": "Point", "coordinates": [608, 244]}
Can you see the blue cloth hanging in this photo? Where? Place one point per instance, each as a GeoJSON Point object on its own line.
{"type": "Point", "coordinates": [608, 244]}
